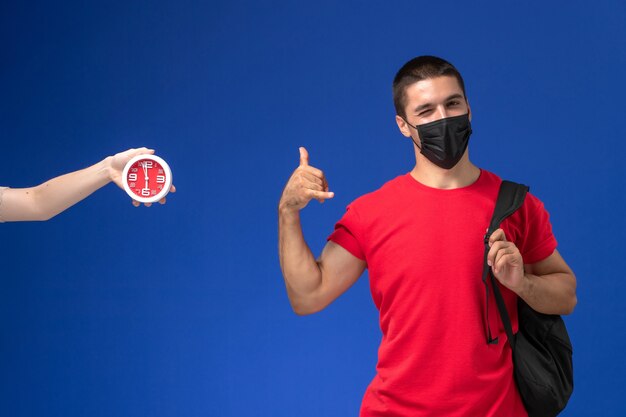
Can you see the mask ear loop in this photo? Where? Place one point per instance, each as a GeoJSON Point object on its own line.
{"type": "Point", "coordinates": [414, 127]}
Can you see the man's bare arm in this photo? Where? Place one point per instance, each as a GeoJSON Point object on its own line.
{"type": "Point", "coordinates": [548, 286]}
{"type": "Point", "coordinates": [311, 284]}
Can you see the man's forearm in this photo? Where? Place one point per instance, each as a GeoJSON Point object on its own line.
{"type": "Point", "coordinates": [550, 294]}
{"type": "Point", "coordinates": [300, 269]}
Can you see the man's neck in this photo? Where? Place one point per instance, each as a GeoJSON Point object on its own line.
{"type": "Point", "coordinates": [463, 174]}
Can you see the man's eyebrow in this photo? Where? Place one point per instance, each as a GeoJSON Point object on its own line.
{"type": "Point", "coordinates": [422, 107]}
{"type": "Point", "coordinates": [427, 105]}
{"type": "Point", "coordinates": [453, 96]}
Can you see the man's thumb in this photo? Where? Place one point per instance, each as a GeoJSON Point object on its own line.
{"type": "Point", "coordinates": [304, 157]}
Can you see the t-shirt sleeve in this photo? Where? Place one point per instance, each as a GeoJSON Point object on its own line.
{"type": "Point", "coordinates": [347, 233]}
{"type": "Point", "coordinates": [538, 242]}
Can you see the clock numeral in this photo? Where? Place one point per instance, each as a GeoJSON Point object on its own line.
{"type": "Point", "coordinates": [147, 164]}
{"type": "Point", "coordinates": [161, 171]}
{"type": "Point", "coordinates": [153, 192]}
{"type": "Point", "coordinates": [160, 179]}
{"type": "Point", "coordinates": [132, 185]}
{"type": "Point", "coordinates": [134, 169]}
{"type": "Point", "coordinates": [145, 192]}
{"type": "Point", "coordinates": [132, 177]}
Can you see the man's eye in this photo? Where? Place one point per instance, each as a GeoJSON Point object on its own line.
{"type": "Point", "coordinates": [453, 103]}
{"type": "Point", "coordinates": [425, 112]}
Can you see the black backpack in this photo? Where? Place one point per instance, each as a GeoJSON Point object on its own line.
{"type": "Point", "coordinates": [542, 351]}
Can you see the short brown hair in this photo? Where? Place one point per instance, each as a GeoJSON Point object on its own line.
{"type": "Point", "coordinates": [417, 69]}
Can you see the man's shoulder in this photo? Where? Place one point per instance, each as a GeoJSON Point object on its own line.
{"type": "Point", "coordinates": [491, 176]}
{"type": "Point", "coordinates": [531, 199]}
{"type": "Point", "coordinates": [387, 191]}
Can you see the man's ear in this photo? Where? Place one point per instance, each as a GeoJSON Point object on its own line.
{"type": "Point", "coordinates": [403, 126]}
{"type": "Point", "coordinates": [469, 111]}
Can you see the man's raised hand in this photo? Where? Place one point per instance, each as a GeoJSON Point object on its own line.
{"type": "Point", "coordinates": [306, 183]}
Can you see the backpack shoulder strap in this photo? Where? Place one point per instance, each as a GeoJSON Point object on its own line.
{"type": "Point", "coordinates": [510, 198]}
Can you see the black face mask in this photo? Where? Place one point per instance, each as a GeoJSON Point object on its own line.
{"type": "Point", "coordinates": [444, 141]}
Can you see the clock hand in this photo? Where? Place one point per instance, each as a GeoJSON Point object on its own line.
{"type": "Point", "coordinates": [146, 177]}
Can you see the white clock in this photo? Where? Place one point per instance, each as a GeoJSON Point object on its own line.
{"type": "Point", "coordinates": [147, 178]}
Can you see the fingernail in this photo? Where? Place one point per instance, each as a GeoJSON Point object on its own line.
{"type": "Point", "coordinates": [488, 262]}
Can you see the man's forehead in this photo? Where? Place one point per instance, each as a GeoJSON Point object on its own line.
{"type": "Point", "coordinates": [433, 88]}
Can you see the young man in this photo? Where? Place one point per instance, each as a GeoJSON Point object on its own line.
{"type": "Point", "coordinates": [58, 194]}
{"type": "Point", "coordinates": [421, 237]}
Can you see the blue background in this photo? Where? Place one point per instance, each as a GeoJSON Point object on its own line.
{"type": "Point", "coordinates": [180, 310]}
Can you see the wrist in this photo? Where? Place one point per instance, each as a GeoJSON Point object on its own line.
{"type": "Point", "coordinates": [106, 168]}
{"type": "Point", "coordinates": [288, 213]}
{"type": "Point", "coordinates": [525, 286]}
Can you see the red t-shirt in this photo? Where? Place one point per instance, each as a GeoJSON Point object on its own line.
{"type": "Point", "coordinates": [424, 252]}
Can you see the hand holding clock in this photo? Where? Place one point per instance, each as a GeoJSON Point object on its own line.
{"type": "Point", "coordinates": [121, 161]}
{"type": "Point", "coordinates": [46, 200]}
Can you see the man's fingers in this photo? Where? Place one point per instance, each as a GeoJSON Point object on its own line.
{"type": "Point", "coordinates": [497, 236]}
{"type": "Point", "coordinates": [504, 260]}
{"type": "Point", "coordinates": [502, 253]}
{"type": "Point", "coordinates": [312, 178]}
{"type": "Point", "coordinates": [306, 183]}
{"type": "Point", "coordinates": [304, 157]}
{"type": "Point", "coordinates": [310, 185]}
{"type": "Point", "coordinates": [317, 172]}
{"type": "Point", "coordinates": [495, 248]}
{"type": "Point", "coordinates": [312, 174]}
{"type": "Point", "coordinates": [320, 195]}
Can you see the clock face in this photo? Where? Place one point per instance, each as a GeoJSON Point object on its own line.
{"type": "Point", "coordinates": [147, 178]}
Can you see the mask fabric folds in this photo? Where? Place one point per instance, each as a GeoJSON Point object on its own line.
{"type": "Point", "coordinates": [444, 141]}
